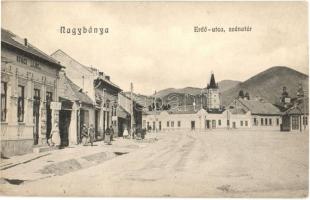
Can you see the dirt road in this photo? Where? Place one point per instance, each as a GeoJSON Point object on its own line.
{"type": "Point", "coordinates": [214, 164]}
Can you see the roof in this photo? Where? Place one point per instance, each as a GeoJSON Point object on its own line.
{"type": "Point", "coordinates": [212, 84]}
{"type": "Point", "coordinates": [10, 39]}
{"type": "Point", "coordinates": [127, 96]}
{"type": "Point", "coordinates": [260, 107]}
{"type": "Point", "coordinates": [76, 93]}
{"type": "Point", "coordinates": [109, 82]}
{"type": "Point", "coordinates": [121, 112]}
{"type": "Point", "coordinates": [237, 111]}
{"type": "Point", "coordinates": [79, 93]}
{"type": "Point", "coordinates": [189, 109]}
{"type": "Point", "coordinates": [62, 53]}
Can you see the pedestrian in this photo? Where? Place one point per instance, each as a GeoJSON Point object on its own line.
{"type": "Point", "coordinates": [125, 133]}
{"type": "Point", "coordinates": [91, 132]}
{"type": "Point", "coordinates": [112, 133]}
{"type": "Point", "coordinates": [107, 138]}
{"type": "Point", "coordinates": [55, 137]}
{"type": "Point", "coordinates": [84, 134]}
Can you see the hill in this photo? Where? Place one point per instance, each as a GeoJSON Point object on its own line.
{"type": "Point", "coordinates": [268, 84]}
{"type": "Point", "coordinates": [223, 85]}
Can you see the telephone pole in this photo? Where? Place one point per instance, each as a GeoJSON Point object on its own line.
{"type": "Point", "coordinates": [131, 110]}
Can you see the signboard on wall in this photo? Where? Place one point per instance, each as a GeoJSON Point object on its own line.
{"type": "Point", "coordinates": [55, 105]}
{"type": "Point", "coordinates": [114, 118]}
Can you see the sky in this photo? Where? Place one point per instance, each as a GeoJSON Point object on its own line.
{"type": "Point", "coordinates": [154, 44]}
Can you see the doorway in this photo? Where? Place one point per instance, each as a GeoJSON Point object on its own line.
{"type": "Point", "coordinates": [64, 124]}
{"type": "Point", "coordinates": [36, 116]}
{"type": "Point", "coordinates": [192, 125]}
{"type": "Point", "coordinates": [207, 125]}
{"type": "Point", "coordinates": [97, 118]}
{"type": "Point", "coordinates": [234, 124]}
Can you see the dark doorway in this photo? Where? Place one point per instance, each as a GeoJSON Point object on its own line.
{"type": "Point", "coordinates": [193, 125]}
{"type": "Point", "coordinates": [36, 116]}
{"type": "Point", "coordinates": [97, 118]}
{"type": "Point", "coordinates": [213, 124]}
{"type": "Point", "coordinates": [49, 98]}
{"type": "Point", "coordinates": [159, 126]}
{"type": "Point", "coordinates": [207, 124]}
{"type": "Point", "coordinates": [64, 124]}
{"type": "Point", "coordinates": [234, 124]}
{"type": "Point", "coordinates": [286, 123]}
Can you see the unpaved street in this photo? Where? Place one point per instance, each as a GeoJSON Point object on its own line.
{"type": "Point", "coordinates": [217, 163]}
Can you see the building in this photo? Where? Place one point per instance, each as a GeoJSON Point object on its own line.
{"type": "Point", "coordinates": [295, 114]}
{"type": "Point", "coordinates": [264, 115]}
{"type": "Point", "coordinates": [213, 95]}
{"type": "Point", "coordinates": [76, 107]}
{"type": "Point", "coordinates": [29, 95]}
{"type": "Point", "coordinates": [98, 87]}
{"type": "Point", "coordinates": [125, 107]}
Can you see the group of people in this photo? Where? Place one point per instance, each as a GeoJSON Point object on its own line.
{"type": "Point", "coordinates": [88, 134]}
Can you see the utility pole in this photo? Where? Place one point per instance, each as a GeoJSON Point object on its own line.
{"type": "Point", "coordinates": [131, 110]}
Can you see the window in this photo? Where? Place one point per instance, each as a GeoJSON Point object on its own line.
{"type": "Point", "coordinates": [3, 101]}
{"type": "Point", "coordinates": [228, 123]}
{"type": "Point", "coordinates": [246, 123]}
{"type": "Point", "coordinates": [219, 122]}
{"type": "Point", "coordinates": [148, 124]}
{"type": "Point", "coordinates": [305, 120]}
{"type": "Point", "coordinates": [49, 97]}
{"type": "Point", "coordinates": [20, 108]}
{"type": "Point", "coordinates": [241, 123]}
{"type": "Point", "coordinates": [172, 124]}
{"type": "Point", "coordinates": [262, 122]}
{"type": "Point", "coordinates": [179, 123]}
{"type": "Point", "coordinates": [255, 122]}
{"type": "Point", "coordinates": [295, 122]}
{"type": "Point", "coordinates": [278, 121]}
{"type": "Point", "coordinates": [266, 121]}
{"type": "Point", "coordinates": [270, 121]}
{"type": "Point", "coordinates": [168, 124]}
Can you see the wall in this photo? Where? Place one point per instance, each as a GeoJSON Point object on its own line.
{"type": "Point", "coordinates": [42, 77]}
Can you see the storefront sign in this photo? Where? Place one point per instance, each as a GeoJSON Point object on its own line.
{"type": "Point", "coordinates": [55, 105]}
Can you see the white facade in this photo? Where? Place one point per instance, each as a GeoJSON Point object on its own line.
{"type": "Point", "coordinates": [199, 121]}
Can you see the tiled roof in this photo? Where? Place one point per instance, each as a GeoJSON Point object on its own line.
{"type": "Point", "coordinates": [237, 111]}
{"type": "Point", "coordinates": [13, 40]}
{"type": "Point", "coordinates": [260, 107]}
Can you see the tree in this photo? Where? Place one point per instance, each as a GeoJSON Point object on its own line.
{"type": "Point", "coordinates": [241, 94]}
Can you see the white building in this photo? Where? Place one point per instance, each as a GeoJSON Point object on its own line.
{"type": "Point", "coordinates": [263, 114]}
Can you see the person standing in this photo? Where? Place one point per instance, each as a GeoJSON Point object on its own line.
{"type": "Point", "coordinates": [55, 137]}
{"type": "Point", "coordinates": [107, 138]}
{"type": "Point", "coordinates": [84, 134]}
{"type": "Point", "coordinates": [112, 133]}
{"type": "Point", "coordinates": [91, 132]}
{"type": "Point", "coordinates": [125, 133]}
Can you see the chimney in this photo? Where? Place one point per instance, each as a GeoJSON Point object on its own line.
{"type": "Point", "coordinates": [107, 77]}
{"type": "Point", "coordinates": [25, 42]}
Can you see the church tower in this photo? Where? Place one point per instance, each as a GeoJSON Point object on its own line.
{"type": "Point", "coordinates": [213, 94]}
